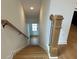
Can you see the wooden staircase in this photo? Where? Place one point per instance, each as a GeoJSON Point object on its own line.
{"type": "Point", "coordinates": [31, 52]}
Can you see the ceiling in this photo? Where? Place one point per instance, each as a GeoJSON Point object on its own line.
{"type": "Point", "coordinates": [31, 3]}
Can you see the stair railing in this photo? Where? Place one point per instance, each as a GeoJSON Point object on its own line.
{"type": "Point", "coordinates": [6, 22]}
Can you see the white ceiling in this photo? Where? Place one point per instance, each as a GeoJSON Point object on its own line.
{"type": "Point", "coordinates": [27, 4]}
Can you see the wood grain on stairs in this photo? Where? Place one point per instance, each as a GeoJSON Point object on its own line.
{"type": "Point", "coordinates": [69, 51]}
{"type": "Point", "coordinates": [31, 52]}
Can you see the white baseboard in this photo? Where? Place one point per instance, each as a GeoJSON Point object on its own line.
{"type": "Point", "coordinates": [10, 56]}
{"type": "Point", "coordinates": [43, 48]}
{"type": "Point", "coordinates": [53, 57]}
{"type": "Point", "coordinates": [62, 43]}
{"type": "Point", "coordinates": [17, 50]}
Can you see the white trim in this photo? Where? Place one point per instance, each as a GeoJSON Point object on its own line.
{"type": "Point", "coordinates": [62, 43]}
{"type": "Point", "coordinates": [53, 57]}
{"type": "Point", "coordinates": [43, 46]}
{"type": "Point", "coordinates": [10, 56]}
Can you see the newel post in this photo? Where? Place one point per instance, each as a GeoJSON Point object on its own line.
{"type": "Point", "coordinates": [56, 22]}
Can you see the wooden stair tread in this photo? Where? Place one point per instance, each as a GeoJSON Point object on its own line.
{"type": "Point", "coordinates": [31, 52]}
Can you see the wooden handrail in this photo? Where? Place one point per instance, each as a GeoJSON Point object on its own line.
{"type": "Point", "coordinates": [6, 22]}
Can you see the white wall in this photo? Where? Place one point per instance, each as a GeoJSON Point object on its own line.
{"type": "Point", "coordinates": [44, 24]}
{"type": "Point", "coordinates": [66, 9]}
{"type": "Point", "coordinates": [55, 7]}
{"type": "Point", "coordinates": [12, 10]}
{"type": "Point", "coordinates": [11, 42]}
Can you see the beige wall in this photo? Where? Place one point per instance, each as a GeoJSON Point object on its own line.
{"type": "Point", "coordinates": [12, 10]}
{"type": "Point", "coordinates": [11, 40]}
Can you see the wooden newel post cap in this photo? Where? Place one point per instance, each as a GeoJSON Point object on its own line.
{"type": "Point", "coordinates": [56, 17]}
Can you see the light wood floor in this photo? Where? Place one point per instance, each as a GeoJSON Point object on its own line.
{"type": "Point", "coordinates": [67, 52]}
{"type": "Point", "coordinates": [31, 52]}
{"type": "Point", "coordinates": [70, 50]}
